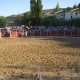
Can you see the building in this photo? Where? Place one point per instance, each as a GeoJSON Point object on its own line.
{"type": "Point", "coordinates": [72, 14]}
{"type": "Point", "coordinates": [60, 14]}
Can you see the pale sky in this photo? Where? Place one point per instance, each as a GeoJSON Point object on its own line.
{"type": "Point", "coordinates": [11, 7]}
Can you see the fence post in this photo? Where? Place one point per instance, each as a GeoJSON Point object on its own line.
{"type": "Point", "coordinates": [0, 34]}
{"type": "Point", "coordinates": [33, 33]}
{"type": "Point", "coordinates": [64, 33]}
{"type": "Point", "coordinates": [10, 33]}
{"type": "Point", "coordinates": [71, 33]}
{"type": "Point", "coordinates": [40, 33]}
{"type": "Point", "coordinates": [47, 33]}
{"type": "Point", "coordinates": [30, 33]}
{"type": "Point", "coordinates": [57, 33]}
{"type": "Point", "coordinates": [16, 34]}
{"type": "Point", "coordinates": [78, 33]}
{"type": "Point", "coordinates": [50, 33]}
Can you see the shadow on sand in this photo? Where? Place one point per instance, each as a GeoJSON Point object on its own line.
{"type": "Point", "coordinates": [66, 41]}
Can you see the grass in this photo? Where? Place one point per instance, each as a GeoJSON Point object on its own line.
{"type": "Point", "coordinates": [55, 56]}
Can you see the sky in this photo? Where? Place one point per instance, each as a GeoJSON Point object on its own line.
{"type": "Point", "coordinates": [12, 7]}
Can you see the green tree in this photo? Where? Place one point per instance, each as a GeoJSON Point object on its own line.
{"type": "Point", "coordinates": [57, 7]}
{"type": "Point", "coordinates": [68, 8]}
{"type": "Point", "coordinates": [79, 5]}
{"type": "Point", "coordinates": [33, 12]}
{"type": "Point", "coordinates": [36, 12]}
{"type": "Point", "coordinates": [75, 6]}
{"type": "Point", "coordinates": [25, 19]}
{"type": "Point", "coordinates": [53, 21]}
{"type": "Point", "coordinates": [50, 21]}
{"type": "Point", "coordinates": [64, 9]}
{"type": "Point", "coordinates": [39, 11]}
{"type": "Point", "coordinates": [3, 22]}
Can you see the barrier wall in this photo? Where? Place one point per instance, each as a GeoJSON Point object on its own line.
{"type": "Point", "coordinates": [15, 34]}
{"type": "Point", "coordinates": [55, 33]}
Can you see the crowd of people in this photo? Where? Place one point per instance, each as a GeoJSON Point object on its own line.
{"type": "Point", "coordinates": [26, 30]}
{"type": "Point", "coordinates": [44, 28]}
{"type": "Point", "coordinates": [57, 28]}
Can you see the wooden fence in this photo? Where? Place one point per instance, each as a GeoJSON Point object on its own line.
{"type": "Point", "coordinates": [53, 33]}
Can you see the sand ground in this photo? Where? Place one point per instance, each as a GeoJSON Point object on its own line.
{"type": "Point", "coordinates": [58, 58]}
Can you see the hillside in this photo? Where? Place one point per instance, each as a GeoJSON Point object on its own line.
{"type": "Point", "coordinates": [15, 18]}
{"type": "Point", "coordinates": [43, 12]}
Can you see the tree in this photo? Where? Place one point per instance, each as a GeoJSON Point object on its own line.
{"type": "Point", "coordinates": [57, 7]}
{"type": "Point", "coordinates": [33, 12]}
{"type": "Point", "coordinates": [25, 19]}
{"type": "Point", "coordinates": [36, 12]}
{"type": "Point", "coordinates": [50, 21]}
{"type": "Point", "coordinates": [64, 9]}
{"type": "Point", "coordinates": [79, 5]}
{"type": "Point", "coordinates": [68, 8]}
{"type": "Point", "coordinates": [75, 6]}
{"type": "Point", "coordinates": [3, 22]}
{"type": "Point", "coordinates": [39, 11]}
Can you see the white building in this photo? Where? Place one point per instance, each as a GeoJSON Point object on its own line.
{"type": "Point", "coordinates": [72, 14]}
{"type": "Point", "coordinates": [60, 14]}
